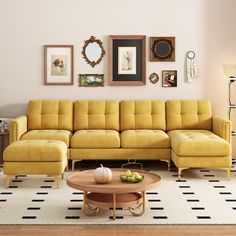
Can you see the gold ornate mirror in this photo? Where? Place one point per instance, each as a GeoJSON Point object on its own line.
{"type": "Point", "coordinates": [93, 51]}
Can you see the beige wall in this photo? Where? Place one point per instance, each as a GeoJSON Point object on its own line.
{"type": "Point", "coordinates": [205, 26]}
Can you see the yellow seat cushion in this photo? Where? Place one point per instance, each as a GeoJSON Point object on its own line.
{"type": "Point", "coordinates": [60, 135]}
{"type": "Point", "coordinates": [198, 143]}
{"type": "Point", "coordinates": [144, 139]}
{"type": "Point", "coordinates": [95, 139]}
{"type": "Point", "coordinates": [35, 151]}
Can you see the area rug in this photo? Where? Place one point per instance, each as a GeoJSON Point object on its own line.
{"type": "Point", "coordinates": [202, 196]}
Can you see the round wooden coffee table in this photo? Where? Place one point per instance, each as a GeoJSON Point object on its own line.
{"type": "Point", "coordinates": [114, 194]}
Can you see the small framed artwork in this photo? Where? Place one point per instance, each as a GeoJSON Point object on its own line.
{"type": "Point", "coordinates": [162, 48]}
{"type": "Point", "coordinates": [91, 80]}
{"type": "Point", "coordinates": [154, 78]}
{"type": "Point", "coordinates": [127, 60]}
{"type": "Point", "coordinates": [58, 64]}
{"type": "Point", "coordinates": [169, 78]}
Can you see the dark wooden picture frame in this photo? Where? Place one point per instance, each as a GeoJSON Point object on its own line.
{"type": "Point", "coordinates": [162, 49]}
{"type": "Point", "coordinates": [133, 49]}
{"type": "Point", "coordinates": [58, 64]}
{"type": "Point", "coordinates": [91, 83]}
{"type": "Point", "coordinates": [169, 78]}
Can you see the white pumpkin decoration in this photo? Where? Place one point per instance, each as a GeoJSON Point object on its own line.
{"type": "Point", "coordinates": [103, 175]}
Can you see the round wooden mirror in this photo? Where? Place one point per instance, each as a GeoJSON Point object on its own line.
{"type": "Point", "coordinates": [93, 51]}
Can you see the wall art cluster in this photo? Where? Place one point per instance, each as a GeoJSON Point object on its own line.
{"type": "Point", "coordinates": [126, 61]}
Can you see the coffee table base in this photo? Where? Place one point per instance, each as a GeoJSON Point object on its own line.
{"type": "Point", "coordinates": [135, 202]}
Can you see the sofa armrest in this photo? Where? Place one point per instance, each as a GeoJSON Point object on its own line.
{"type": "Point", "coordinates": [222, 128]}
{"type": "Point", "coordinates": [18, 127]}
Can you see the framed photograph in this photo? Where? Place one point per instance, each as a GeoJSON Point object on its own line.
{"type": "Point", "coordinates": [127, 60]}
{"type": "Point", "coordinates": [58, 64]}
{"type": "Point", "coordinates": [154, 78]}
{"type": "Point", "coordinates": [91, 80]}
{"type": "Point", "coordinates": [162, 48]}
{"type": "Point", "coordinates": [169, 78]}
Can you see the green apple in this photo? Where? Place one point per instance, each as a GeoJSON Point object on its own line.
{"type": "Point", "coordinates": [128, 173]}
{"type": "Point", "coordinates": [133, 180]}
{"type": "Point", "coordinates": [123, 177]}
{"type": "Point", "coordinates": [139, 178]}
{"type": "Point", "coordinates": [136, 173]}
{"type": "Point", "coordinates": [129, 178]}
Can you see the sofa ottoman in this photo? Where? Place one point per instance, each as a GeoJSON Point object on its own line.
{"type": "Point", "coordinates": [199, 148]}
{"type": "Point", "coordinates": [43, 157]}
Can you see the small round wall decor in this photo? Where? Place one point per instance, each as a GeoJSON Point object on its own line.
{"type": "Point", "coordinates": [154, 78]}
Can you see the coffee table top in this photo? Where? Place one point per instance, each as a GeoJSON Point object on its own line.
{"type": "Point", "coordinates": [84, 180]}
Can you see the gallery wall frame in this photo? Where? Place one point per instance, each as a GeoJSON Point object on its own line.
{"type": "Point", "coordinates": [127, 60]}
{"type": "Point", "coordinates": [169, 78]}
{"type": "Point", "coordinates": [93, 51]}
{"type": "Point", "coordinates": [154, 78]}
{"type": "Point", "coordinates": [162, 49]}
{"type": "Point", "coordinates": [91, 80]}
{"type": "Point", "coordinates": [58, 64]}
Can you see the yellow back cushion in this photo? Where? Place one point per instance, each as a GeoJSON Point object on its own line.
{"type": "Point", "coordinates": [142, 114]}
{"type": "Point", "coordinates": [188, 114]}
{"type": "Point", "coordinates": [96, 114]}
{"type": "Point", "coordinates": [50, 114]}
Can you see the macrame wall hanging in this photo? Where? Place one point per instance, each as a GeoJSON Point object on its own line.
{"type": "Point", "coordinates": [191, 67]}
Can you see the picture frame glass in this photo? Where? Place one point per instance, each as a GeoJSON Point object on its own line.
{"type": "Point", "coordinates": [127, 60]}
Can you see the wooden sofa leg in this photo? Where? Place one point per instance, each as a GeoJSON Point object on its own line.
{"type": "Point", "coordinates": [179, 172]}
{"type": "Point", "coordinates": [228, 173]}
{"type": "Point", "coordinates": [168, 163]}
{"type": "Point", "coordinates": [73, 165]}
{"type": "Point", "coordinates": [67, 166]}
{"type": "Point", "coordinates": [57, 179]}
{"type": "Point", "coordinates": [8, 179]}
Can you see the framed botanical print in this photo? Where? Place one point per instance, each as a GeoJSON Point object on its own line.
{"type": "Point", "coordinates": [127, 60]}
{"type": "Point", "coordinates": [58, 64]}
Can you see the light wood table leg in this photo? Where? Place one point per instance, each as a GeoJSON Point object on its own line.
{"type": "Point", "coordinates": [144, 199]}
{"type": "Point", "coordinates": [114, 206]}
{"type": "Point", "coordinates": [85, 200]}
{"type": "Point", "coordinates": [135, 210]}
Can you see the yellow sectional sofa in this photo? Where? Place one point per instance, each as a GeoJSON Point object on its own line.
{"type": "Point", "coordinates": [184, 131]}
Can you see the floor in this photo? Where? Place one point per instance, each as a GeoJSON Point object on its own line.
{"type": "Point", "coordinates": [118, 230]}
{"type": "Point", "coordinates": [165, 230]}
